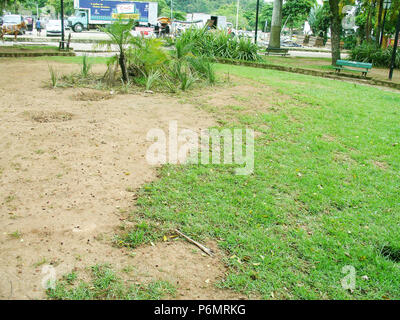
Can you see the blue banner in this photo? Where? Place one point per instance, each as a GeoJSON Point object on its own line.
{"type": "Point", "coordinates": [104, 9]}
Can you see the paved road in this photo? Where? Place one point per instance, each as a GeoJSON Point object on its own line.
{"type": "Point", "coordinates": [312, 54]}
{"type": "Point", "coordinates": [81, 48]}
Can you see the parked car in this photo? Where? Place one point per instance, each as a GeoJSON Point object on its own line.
{"type": "Point", "coordinates": [53, 28]}
{"type": "Point", "coordinates": [14, 22]}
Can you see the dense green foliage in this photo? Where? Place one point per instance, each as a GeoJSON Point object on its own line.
{"type": "Point", "coordinates": [369, 52]}
{"type": "Point", "coordinates": [319, 19]}
{"type": "Point", "coordinates": [149, 64]}
{"type": "Point", "coordinates": [295, 12]}
{"type": "Point", "coordinates": [219, 44]}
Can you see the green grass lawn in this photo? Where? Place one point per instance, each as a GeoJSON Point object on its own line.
{"type": "Point", "coordinates": [25, 48]}
{"type": "Point", "coordinates": [324, 193]}
{"type": "Point", "coordinates": [324, 64]}
{"type": "Point", "coordinates": [75, 59]}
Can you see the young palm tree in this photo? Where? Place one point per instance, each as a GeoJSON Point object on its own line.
{"type": "Point", "coordinates": [120, 34]}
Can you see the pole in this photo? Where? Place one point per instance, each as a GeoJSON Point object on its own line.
{"type": "Point", "coordinates": [172, 15]}
{"type": "Point", "coordinates": [383, 28]}
{"type": "Point", "coordinates": [396, 40]}
{"type": "Point", "coordinates": [62, 24]}
{"type": "Point", "coordinates": [257, 9]}
{"type": "Point", "coordinates": [237, 15]}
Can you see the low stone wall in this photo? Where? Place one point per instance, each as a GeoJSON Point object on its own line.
{"type": "Point", "coordinates": [35, 54]}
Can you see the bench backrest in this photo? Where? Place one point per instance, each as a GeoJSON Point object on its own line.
{"type": "Point", "coordinates": [354, 64]}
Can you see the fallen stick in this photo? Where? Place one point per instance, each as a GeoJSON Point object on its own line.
{"type": "Point", "coordinates": [203, 248]}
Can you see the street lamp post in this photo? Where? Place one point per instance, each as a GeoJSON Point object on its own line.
{"type": "Point", "coordinates": [396, 40]}
{"type": "Point", "coordinates": [62, 25]}
{"type": "Point", "coordinates": [237, 14]}
{"type": "Point", "coordinates": [257, 9]}
{"type": "Point", "coordinates": [386, 6]}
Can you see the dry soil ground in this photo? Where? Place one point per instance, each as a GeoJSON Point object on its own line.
{"type": "Point", "coordinates": [65, 166]}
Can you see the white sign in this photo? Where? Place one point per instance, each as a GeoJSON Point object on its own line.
{"type": "Point", "coordinates": [126, 8]}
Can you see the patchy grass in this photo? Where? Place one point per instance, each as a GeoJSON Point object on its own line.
{"type": "Point", "coordinates": [105, 284]}
{"type": "Point", "coordinates": [74, 59]}
{"type": "Point", "coordinates": [324, 64]}
{"type": "Point", "coordinates": [15, 235]}
{"type": "Point", "coordinates": [313, 204]}
{"type": "Point", "coordinates": [25, 48]}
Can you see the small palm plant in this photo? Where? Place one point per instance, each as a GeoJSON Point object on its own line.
{"type": "Point", "coordinates": [86, 66]}
{"type": "Point", "coordinates": [120, 33]}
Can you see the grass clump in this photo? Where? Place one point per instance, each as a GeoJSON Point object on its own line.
{"type": "Point", "coordinates": [106, 285]}
{"type": "Point", "coordinates": [53, 76]}
{"type": "Point", "coordinates": [142, 233]}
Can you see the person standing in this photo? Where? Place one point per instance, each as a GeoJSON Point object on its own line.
{"type": "Point", "coordinates": [38, 26]}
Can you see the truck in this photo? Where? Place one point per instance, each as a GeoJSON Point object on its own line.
{"type": "Point", "coordinates": [204, 19]}
{"type": "Point", "coordinates": [91, 14]}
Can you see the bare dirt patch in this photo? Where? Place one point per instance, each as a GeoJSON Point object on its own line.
{"type": "Point", "coordinates": [92, 95]}
{"type": "Point", "coordinates": [380, 164]}
{"type": "Point", "coordinates": [66, 166]}
{"type": "Point", "coordinates": [47, 116]}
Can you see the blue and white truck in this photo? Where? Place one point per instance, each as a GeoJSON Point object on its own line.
{"type": "Point", "coordinates": [90, 14]}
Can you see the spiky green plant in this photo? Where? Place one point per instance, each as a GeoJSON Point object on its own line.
{"type": "Point", "coordinates": [151, 78]}
{"type": "Point", "coordinates": [53, 76]}
{"type": "Point", "coordinates": [145, 56]}
{"type": "Point", "coordinates": [85, 67]}
{"type": "Point", "coordinates": [203, 68]}
{"type": "Point", "coordinates": [218, 44]}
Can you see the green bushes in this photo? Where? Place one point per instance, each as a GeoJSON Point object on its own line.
{"type": "Point", "coordinates": [218, 44]}
{"type": "Point", "coordinates": [369, 52]}
{"type": "Point", "coordinates": [150, 65]}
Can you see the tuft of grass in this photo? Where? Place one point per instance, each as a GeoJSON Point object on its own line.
{"type": "Point", "coordinates": [16, 234]}
{"type": "Point", "coordinates": [105, 284]}
{"type": "Point", "coordinates": [40, 262]}
{"type": "Point", "coordinates": [142, 233]}
{"type": "Point", "coordinates": [53, 76]}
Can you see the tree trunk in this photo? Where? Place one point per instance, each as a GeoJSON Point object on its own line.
{"type": "Point", "coordinates": [368, 25]}
{"type": "Point", "coordinates": [276, 25]}
{"type": "Point", "coordinates": [379, 27]}
{"type": "Point", "coordinates": [122, 64]}
{"type": "Point", "coordinates": [336, 29]}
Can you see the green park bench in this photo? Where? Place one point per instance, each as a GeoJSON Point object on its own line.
{"type": "Point", "coordinates": [277, 52]}
{"type": "Point", "coordinates": [354, 66]}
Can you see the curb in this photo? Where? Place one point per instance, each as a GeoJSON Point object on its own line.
{"type": "Point", "coordinates": [24, 39]}
{"type": "Point", "coordinates": [35, 54]}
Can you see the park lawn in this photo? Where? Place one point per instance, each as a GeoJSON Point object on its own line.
{"type": "Point", "coordinates": [324, 64]}
{"type": "Point", "coordinates": [74, 59]}
{"type": "Point", "coordinates": [324, 193]}
{"type": "Point", "coordinates": [28, 48]}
